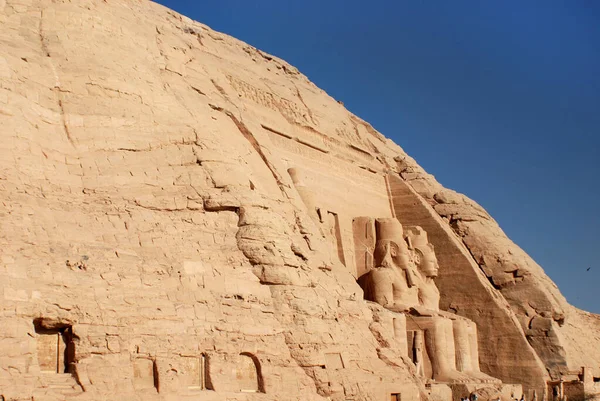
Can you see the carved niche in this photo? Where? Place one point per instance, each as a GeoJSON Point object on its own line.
{"type": "Point", "coordinates": [197, 372]}
{"type": "Point", "coordinates": [248, 374]}
{"type": "Point", "coordinates": [145, 374]}
{"type": "Point", "coordinates": [55, 349]}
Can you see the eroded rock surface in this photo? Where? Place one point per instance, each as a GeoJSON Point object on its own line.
{"type": "Point", "coordinates": [177, 223]}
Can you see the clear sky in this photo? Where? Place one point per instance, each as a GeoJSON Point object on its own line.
{"type": "Point", "coordinates": [500, 100]}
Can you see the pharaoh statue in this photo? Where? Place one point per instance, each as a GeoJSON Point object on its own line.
{"type": "Point", "coordinates": [392, 284]}
{"type": "Point", "coordinates": [402, 280]}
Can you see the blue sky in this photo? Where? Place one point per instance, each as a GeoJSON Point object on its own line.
{"type": "Point", "coordinates": [499, 100]}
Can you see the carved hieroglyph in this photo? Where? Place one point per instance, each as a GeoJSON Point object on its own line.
{"type": "Point", "coordinates": [170, 192]}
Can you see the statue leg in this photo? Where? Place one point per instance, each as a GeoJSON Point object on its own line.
{"type": "Point", "coordinates": [474, 346]}
{"type": "Point", "coordinates": [439, 342]}
{"type": "Point", "coordinates": [464, 358]}
{"type": "Point", "coordinates": [439, 348]}
{"type": "Point", "coordinates": [467, 350]}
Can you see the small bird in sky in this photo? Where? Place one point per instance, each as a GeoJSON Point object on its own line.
{"type": "Point", "coordinates": [588, 269]}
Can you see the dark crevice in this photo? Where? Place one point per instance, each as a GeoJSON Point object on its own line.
{"type": "Point", "coordinates": [64, 119]}
{"type": "Point", "coordinates": [57, 90]}
{"type": "Point", "coordinates": [221, 208]}
{"type": "Point", "coordinates": [198, 91]}
{"type": "Point", "coordinates": [41, 35]}
{"type": "Point", "coordinates": [220, 89]}
{"type": "Point", "coordinates": [195, 32]}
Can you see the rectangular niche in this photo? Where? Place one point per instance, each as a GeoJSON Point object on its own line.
{"type": "Point", "coordinates": [55, 349]}
{"type": "Point", "coordinates": [145, 374]}
{"type": "Point", "coordinates": [395, 397]}
{"type": "Point", "coordinates": [197, 372]}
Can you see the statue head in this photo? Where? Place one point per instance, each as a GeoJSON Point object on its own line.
{"type": "Point", "coordinates": [423, 251]}
{"type": "Point", "coordinates": [390, 248]}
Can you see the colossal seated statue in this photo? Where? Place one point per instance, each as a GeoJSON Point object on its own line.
{"type": "Point", "coordinates": [402, 280]}
{"type": "Point", "coordinates": [392, 283]}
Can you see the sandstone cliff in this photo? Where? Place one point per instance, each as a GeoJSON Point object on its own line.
{"type": "Point", "coordinates": [159, 182]}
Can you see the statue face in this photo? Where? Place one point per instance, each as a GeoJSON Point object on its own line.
{"type": "Point", "coordinates": [391, 254]}
{"type": "Point", "coordinates": [399, 254]}
{"type": "Point", "coordinates": [426, 261]}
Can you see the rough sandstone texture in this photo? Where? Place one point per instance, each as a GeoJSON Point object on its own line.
{"type": "Point", "coordinates": [176, 223]}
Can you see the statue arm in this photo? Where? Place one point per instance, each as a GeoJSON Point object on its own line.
{"type": "Point", "coordinates": [383, 292]}
{"type": "Point", "coordinates": [410, 278]}
{"type": "Point", "coordinates": [383, 295]}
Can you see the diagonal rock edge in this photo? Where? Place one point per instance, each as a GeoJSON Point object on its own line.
{"type": "Point", "coordinates": [534, 299]}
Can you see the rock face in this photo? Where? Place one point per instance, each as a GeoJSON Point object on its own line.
{"type": "Point", "coordinates": [178, 221]}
